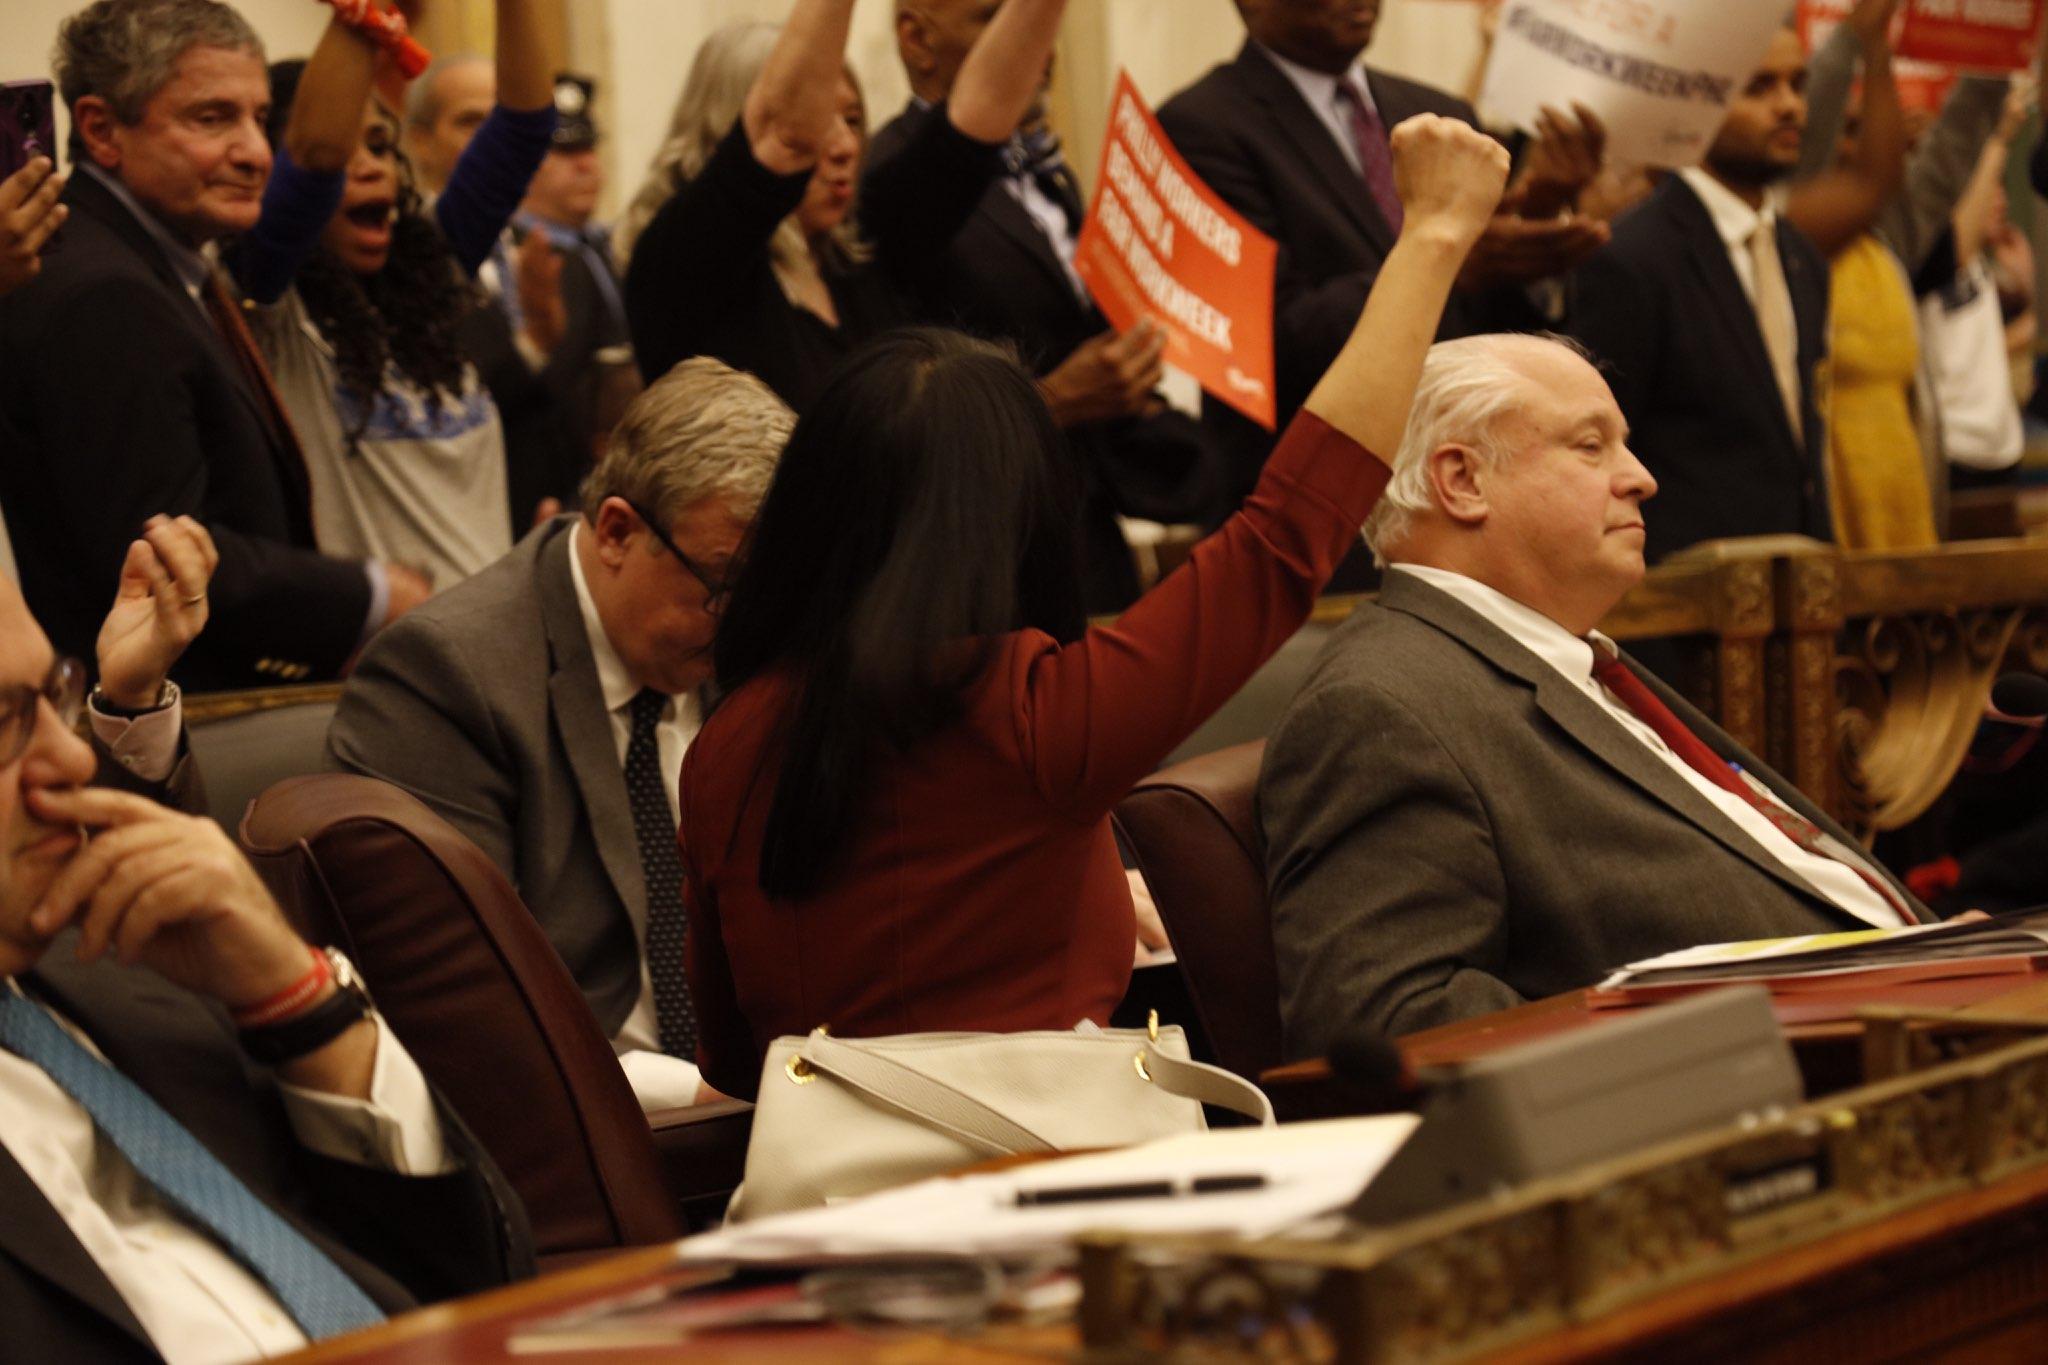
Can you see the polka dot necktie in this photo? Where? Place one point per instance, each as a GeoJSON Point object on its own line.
{"type": "Point", "coordinates": [654, 828]}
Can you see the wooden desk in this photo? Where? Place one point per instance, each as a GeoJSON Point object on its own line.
{"type": "Point", "coordinates": [1825, 1038]}
{"type": "Point", "coordinates": [1964, 1279]}
{"type": "Point", "coordinates": [476, 1330]}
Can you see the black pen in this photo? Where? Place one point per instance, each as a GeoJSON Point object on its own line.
{"type": "Point", "coordinates": [1140, 1189]}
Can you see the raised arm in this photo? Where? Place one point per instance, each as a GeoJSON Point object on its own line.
{"type": "Point", "coordinates": [1839, 205]}
{"type": "Point", "coordinates": [791, 105]}
{"type": "Point", "coordinates": [526, 68]}
{"type": "Point", "coordinates": [493, 172]}
{"type": "Point", "coordinates": [305, 188]}
{"type": "Point", "coordinates": [1977, 207]}
{"type": "Point", "coordinates": [1005, 69]}
{"type": "Point", "coordinates": [1450, 177]}
{"type": "Point", "coordinates": [1101, 713]}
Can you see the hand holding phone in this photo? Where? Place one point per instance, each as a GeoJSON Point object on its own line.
{"type": "Point", "coordinates": [28, 124]}
{"type": "Point", "coordinates": [29, 213]}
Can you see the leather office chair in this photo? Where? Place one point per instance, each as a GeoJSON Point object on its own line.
{"type": "Point", "coordinates": [246, 741]}
{"type": "Point", "coordinates": [465, 977]}
{"type": "Point", "coordinates": [1193, 834]}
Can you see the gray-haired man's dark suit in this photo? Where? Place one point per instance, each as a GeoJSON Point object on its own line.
{"type": "Point", "coordinates": [484, 703]}
{"type": "Point", "coordinates": [1452, 828]}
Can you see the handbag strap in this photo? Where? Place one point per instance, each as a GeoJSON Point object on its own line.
{"type": "Point", "coordinates": [1208, 1084]}
{"type": "Point", "coordinates": [917, 1096]}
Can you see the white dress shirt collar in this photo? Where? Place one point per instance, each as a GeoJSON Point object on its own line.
{"type": "Point", "coordinates": [1734, 220]}
{"type": "Point", "coordinates": [191, 266]}
{"type": "Point", "coordinates": [1318, 90]}
{"type": "Point", "coordinates": [1569, 654]}
{"type": "Point", "coordinates": [614, 682]}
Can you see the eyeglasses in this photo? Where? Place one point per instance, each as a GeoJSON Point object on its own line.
{"type": "Point", "coordinates": [716, 590]}
{"type": "Point", "coordinates": [63, 688]}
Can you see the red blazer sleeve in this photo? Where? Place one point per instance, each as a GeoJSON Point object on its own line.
{"type": "Point", "coordinates": [1090, 719]}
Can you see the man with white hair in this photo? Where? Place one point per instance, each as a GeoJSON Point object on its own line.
{"type": "Point", "coordinates": [543, 706]}
{"type": "Point", "coordinates": [1475, 799]}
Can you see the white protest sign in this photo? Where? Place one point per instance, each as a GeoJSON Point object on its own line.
{"type": "Point", "coordinates": [1659, 73]}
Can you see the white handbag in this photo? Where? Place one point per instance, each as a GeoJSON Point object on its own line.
{"type": "Point", "coordinates": [837, 1117]}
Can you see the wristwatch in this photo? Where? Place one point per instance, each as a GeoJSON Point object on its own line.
{"type": "Point", "coordinates": [166, 693]}
{"type": "Point", "coordinates": [273, 1044]}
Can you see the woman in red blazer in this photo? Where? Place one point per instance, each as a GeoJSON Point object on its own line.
{"type": "Point", "coordinates": [897, 818]}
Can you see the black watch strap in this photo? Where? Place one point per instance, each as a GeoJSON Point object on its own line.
{"type": "Point", "coordinates": [274, 1044]}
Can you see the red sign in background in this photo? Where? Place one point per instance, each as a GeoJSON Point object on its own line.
{"type": "Point", "coordinates": [1935, 39]}
{"type": "Point", "coordinates": [1160, 244]}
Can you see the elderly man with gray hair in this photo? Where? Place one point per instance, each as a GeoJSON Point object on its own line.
{"type": "Point", "coordinates": [543, 706]}
{"type": "Point", "coordinates": [1475, 800]}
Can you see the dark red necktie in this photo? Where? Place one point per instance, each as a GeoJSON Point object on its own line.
{"type": "Point", "coordinates": [1614, 675]}
{"type": "Point", "coordinates": [1375, 153]}
{"type": "Point", "coordinates": [228, 321]}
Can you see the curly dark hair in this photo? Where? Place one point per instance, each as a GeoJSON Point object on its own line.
{"type": "Point", "coordinates": [405, 315]}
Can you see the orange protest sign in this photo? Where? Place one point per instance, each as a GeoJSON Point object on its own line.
{"type": "Point", "coordinates": [1972, 35]}
{"type": "Point", "coordinates": [1935, 37]}
{"type": "Point", "coordinates": [1160, 244]}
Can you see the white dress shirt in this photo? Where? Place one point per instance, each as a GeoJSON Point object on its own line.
{"type": "Point", "coordinates": [1734, 222]}
{"type": "Point", "coordinates": [196, 1302]}
{"type": "Point", "coordinates": [659, 1081]}
{"type": "Point", "coordinates": [1319, 90]}
{"type": "Point", "coordinates": [1572, 657]}
{"type": "Point", "coordinates": [1051, 221]}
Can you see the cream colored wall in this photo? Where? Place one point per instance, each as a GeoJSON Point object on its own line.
{"type": "Point", "coordinates": [640, 49]}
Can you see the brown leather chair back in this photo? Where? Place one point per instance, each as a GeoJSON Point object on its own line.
{"type": "Point", "coordinates": [1192, 830]}
{"type": "Point", "coordinates": [468, 982]}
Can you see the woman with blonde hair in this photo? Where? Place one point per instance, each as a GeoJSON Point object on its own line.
{"type": "Point", "coordinates": [742, 243]}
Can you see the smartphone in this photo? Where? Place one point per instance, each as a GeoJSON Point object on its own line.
{"type": "Point", "coordinates": [28, 124]}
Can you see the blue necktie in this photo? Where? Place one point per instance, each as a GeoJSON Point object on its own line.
{"type": "Point", "coordinates": [321, 1299]}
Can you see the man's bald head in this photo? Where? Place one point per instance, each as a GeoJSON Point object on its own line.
{"type": "Point", "coordinates": [443, 110]}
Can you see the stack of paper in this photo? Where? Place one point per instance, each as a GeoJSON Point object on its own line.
{"type": "Point", "coordinates": [2011, 943]}
{"type": "Point", "coordinates": [1251, 1181]}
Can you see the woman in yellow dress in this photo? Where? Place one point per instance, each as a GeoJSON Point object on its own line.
{"type": "Point", "coordinates": [1877, 475]}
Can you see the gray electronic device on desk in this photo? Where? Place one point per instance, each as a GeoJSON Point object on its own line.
{"type": "Point", "coordinates": [1555, 1104]}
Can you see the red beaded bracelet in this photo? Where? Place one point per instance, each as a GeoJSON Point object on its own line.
{"type": "Point", "coordinates": [387, 29]}
{"type": "Point", "coordinates": [275, 1009]}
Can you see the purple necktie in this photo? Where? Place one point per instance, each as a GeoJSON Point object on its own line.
{"type": "Point", "coordinates": [1375, 154]}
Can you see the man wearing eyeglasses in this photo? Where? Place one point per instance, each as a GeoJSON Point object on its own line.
{"type": "Point", "coordinates": [210, 1146]}
{"type": "Point", "coordinates": [543, 706]}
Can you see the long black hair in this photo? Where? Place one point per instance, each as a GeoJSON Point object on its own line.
{"type": "Point", "coordinates": [405, 315]}
{"type": "Point", "coordinates": [923, 506]}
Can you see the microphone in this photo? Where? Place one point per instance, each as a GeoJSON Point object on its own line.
{"type": "Point", "coordinates": [2020, 697]}
{"type": "Point", "coordinates": [1364, 1057]}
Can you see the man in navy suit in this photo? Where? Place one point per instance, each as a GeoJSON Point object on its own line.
{"type": "Point", "coordinates": [1708, 314]}
{"type": "Point", "coordinates": [128, 385]}
{"type": "Point", "coordinates": [1292, 132]}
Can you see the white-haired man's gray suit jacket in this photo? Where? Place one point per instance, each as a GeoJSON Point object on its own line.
{"type": "Point", "coordinates": [485, 704]}
{"type": "Point", "coordinates": [1452, 828]}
